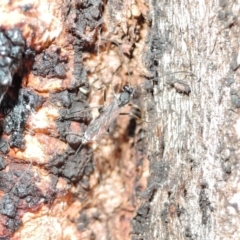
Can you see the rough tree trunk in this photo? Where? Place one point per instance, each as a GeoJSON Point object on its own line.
{"type": "Point", "coordinates": [193, 189]}
{"type": "Point", "coordinates": [173, 177]}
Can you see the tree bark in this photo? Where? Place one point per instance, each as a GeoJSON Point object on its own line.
{"type": "Point", "coordinates": [187, 145]}
{"type": "Point", "coordinates": [193, 137]}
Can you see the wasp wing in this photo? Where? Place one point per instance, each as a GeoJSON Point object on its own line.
{"type": "Point", "coordinates": [100, 125]}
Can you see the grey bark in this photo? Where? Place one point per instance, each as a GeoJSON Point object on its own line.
{"type": "Point", "coordinates": [193, 191]}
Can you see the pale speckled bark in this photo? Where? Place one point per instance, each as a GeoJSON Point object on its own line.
{"type": "Point", "coordinates": [194, 138]}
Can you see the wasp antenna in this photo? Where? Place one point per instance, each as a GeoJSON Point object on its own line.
{"type": "Point", "coordinates": [120, 48]}
{"type": "Point", "coordinates": [186, 72]}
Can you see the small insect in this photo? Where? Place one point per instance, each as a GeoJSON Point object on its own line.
{"type": "Point", "coordinates": [180, 86]}
{"type": "Point", "coordinates": [101, 124]}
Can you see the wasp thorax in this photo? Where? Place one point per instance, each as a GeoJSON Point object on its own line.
{"type": "Point", "coordinates": [125, 96]}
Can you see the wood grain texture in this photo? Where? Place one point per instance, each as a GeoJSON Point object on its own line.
{"type": "Point", "coordinates": [193, 188]}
